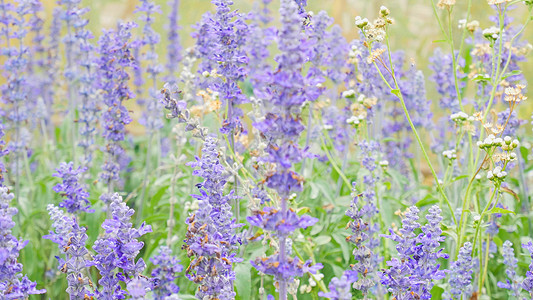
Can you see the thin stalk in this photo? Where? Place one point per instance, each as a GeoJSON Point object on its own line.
{"type": "Point", "coordinates": [417, 136]}
{"type": "Point", "coordinates": [333, 164]}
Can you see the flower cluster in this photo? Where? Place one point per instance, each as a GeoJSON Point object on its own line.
{"type": "Point", "coordinates": [513, 283]}
{"type": "Point", "coordinates": [71, 240]}
{"type": "Point", "coordinates": [461, 273]}
{"type": "Point", "coordinates": [174, 50]}
{"type": "Point", "coordinates": [117, 249]}
{"type": "Point", "coordinates": [281, 128]}
{"type": "Point", "coordinates": [165, 273]}
{"type": "Point", "coordinates": [13, 285]}
{"type": "Point", "coordinates": [211, 238]}
{"type": "Point", "coordinates": [74, 192]}
{"type": "Point", "coordinates": [115, 58]}
{"type": "Point", "coordinates": [417, 267]}
{"type": "Point", "coordinates": [150, 38]}
{"type": "Point", "coordinates": [228, 31]}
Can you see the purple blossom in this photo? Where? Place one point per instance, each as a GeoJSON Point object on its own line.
{"type": "Point", "coordinates": [70, 239]}
{"type": "Point", "coordinates": [74, 193]}
{"type": "Point", "coordinates": [228, 31]}
{"type": "Point", "coordinates": [137, 287]}
{"type": "Point", "coordinates": [13, 285]}
{"type": "Point", "coordinates": [117, 249]}
{"type": "Point", "coordinates": [281, 127]}
{"type": "Point", "coordinates": [514, 282]}
{"type": "Point", "coordinates": [361, 212]}
{"type": "Point", "coordinates": [527, 284]}
{"type": "Point", "coordinates": [414, 271]}
{"type": "Point", "coordinates": [165, 273]}
{"type": "Point", "coordinates": [211, 238]}
{"type": "Point", "coordinates": [89, 110]}
{"type": "Point", "coordinates": [16, 106]}
{"type": "Point", "coordinates": [340, 289]}
{"type": "Point", "coordinates": [174, 50]}
{"type": "Point", "coordinates": [115, 58]}
{"type": "Point", "coordinates": [150, 38]}
{"type": "Point", "coordinates": [461, 273]}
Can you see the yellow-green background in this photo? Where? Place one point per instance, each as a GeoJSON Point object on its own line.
{"type": "Point", "coordinates": [415, 31]}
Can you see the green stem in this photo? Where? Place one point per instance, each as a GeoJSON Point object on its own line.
{"type": "Point", "coordinates": [333, 164]}
{"type": "Point", "coordinates": [417, 136]}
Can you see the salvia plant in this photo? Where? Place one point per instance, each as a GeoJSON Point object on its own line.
{"type": "Point", "coordinates": [262, 154]}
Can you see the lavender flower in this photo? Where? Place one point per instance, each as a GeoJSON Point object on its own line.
{"type": "Point", "coordinates": [514, 282]}
{"type": "Point", "coordinates": [257, 51]}
{"type": "Point", "coordinates": [362, 212]}
{"type": "Point", "coordinates": [71, 239]}
{"type": "Point", "coordinates": [174, 55]}
{"type": "Point", "coordinates": [211, 237]}
{"type": "Point", "coordinates": [229, 32]}
{"type": "Point", "coordinates": [117, 249]}
{"type": "Point", "coordinates": [527, 284]}
{"type": "Point", "coordinates": [89, 110]}
{"type": "Point", "coordinates": [340, 289]}
{"type": "Point", "coordinates": [461, 273]}
{"type": "Point", "coordinates": [165, 273]}
{"type": "Point", "coordinates": [13, 285]}
{"type": "Point", "coordinates": [14, 93]}
{"type": "Point", "coordinates": [150, 38]}
{"type": "Point", "coordinates": [417, 267]}
{"type": "Point", "coordinates": [74, 192]}
{"type": "Point", "coordinates": [115, 58]}
{"type": "Point", "coordinates": [3, 152]}
{"type": "Point", "coordinates": [137, 287]}
{"type": "Point", "coordinates": [281, 128]}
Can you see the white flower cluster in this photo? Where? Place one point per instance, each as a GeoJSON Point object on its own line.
{"type": "Point", "coordinates": [460, 117]}
{"type": "Point", "coordinates": [384, 164]}
{"type": "Point", "coordinates": [450, 154]}
{"type": "Point", "coordinates": [491, 33]}
{"type": "Point", "coordinates": [355, 120]}
{"type": "Point", "coordinates": [497, 174]}
{"type": "Point", "coordinates": [348, 94]}
{"type": "Point", "coordinates": [507, 143]}
{"type": "Point", "coordinates": [375, 31]}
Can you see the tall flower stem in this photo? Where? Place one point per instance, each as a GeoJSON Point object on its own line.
{"type": "Point", "coordinates": [398, 93]}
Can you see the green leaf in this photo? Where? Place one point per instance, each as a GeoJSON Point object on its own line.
{"type": "Point", "coordinates": [499, 210]}
{"type": "Point", "coordinates": [481, 78]}
{"type": "Point", "coordinates": [322, 239]}
{"type": "Point", "coordinates": [243, 282]}
{"type": "Point", "coordinates": [344, 246]}
{"type": "Point", "coordinates": [387, 184]}
{"type": "Point", "coordinates": [396, 92]}
{"type": "Point", "coordinates": [512, 73]}
{"type": "Point", "coordinates": [440, 41]}
{"type": "Point", "coordinates": [524, 152]}
{"type": "Point", "coordinates": [427, 200]}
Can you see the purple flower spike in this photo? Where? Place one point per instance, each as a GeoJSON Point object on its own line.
{"type": "Point", "coordinates": [117, 249]}
{"type": "Point", "coordinates": [461, 273]}
{"type": "Point", "coordinates": [165, 273]}
{"type": "Point", "coordinates": [12, 283]}
{"type": "Point", "coordinates": [413, 272]}
{"type": "Point", "coordinates": [75, 195]}
{"type": "Point", "coordinates": [211, 238]}
{"type": "Point", "coordinates": [513, 283]}
{"type": "Point", "coordinates": [70, 239]}
{"type": "Point", "coordinates": [527, 284]}
{"type": "Point", "coordinates": [115, 58]}
{"type": "Point", "coordinates": [174, 50]}
{"type": "Point", "coordinates": [341, 289]}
